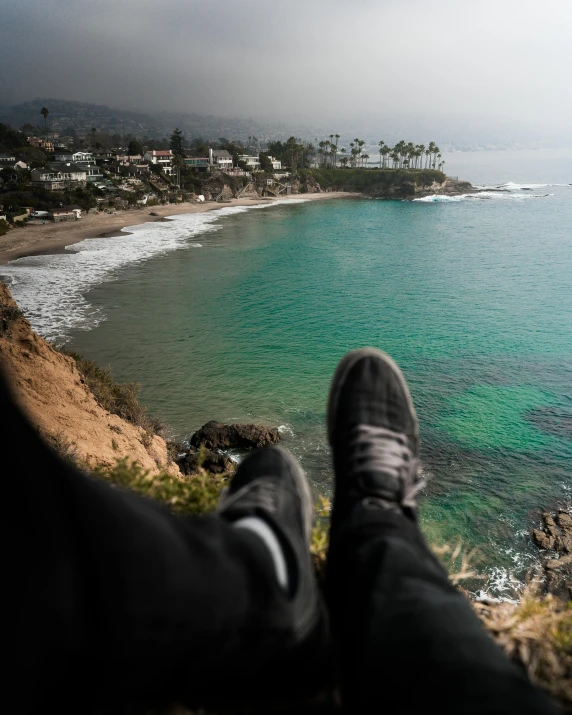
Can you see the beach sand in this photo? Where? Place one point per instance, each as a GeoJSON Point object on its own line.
{"type": "Point", "coordinates": [52, 238]}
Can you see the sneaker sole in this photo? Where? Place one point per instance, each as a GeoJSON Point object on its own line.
{"type": "Point", "coordinates": [338, 381]}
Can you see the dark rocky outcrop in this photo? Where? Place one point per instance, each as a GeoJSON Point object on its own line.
{"type": "Point", "coordinates": [191, 461]}
{"type": "Point", "coordinates": [214, 462]}
{"type": "Point", "coordinates": [216, 435]}
{"type": "Point", "coordinates": [555, 539]}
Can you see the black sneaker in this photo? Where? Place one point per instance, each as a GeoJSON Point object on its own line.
{"type": "Point", "coordinates": [374, 435]}
{"type": "Point", "coordinates": [270, 484]}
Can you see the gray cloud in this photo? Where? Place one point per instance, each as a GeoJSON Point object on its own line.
{"type": "Point", "coordinates": [318, 61]}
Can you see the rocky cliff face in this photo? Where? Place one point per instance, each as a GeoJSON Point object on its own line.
{"type": "Point", "coordinates": [52, 392]}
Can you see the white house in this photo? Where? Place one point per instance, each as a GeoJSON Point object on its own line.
{"type": "Point", "coordinates": [253, 162]}
{"type": "Point", "coordinates": [93, 172]}
{"type": "Point", "coordinates": [276, 163]}
{"type": "Point", "coordinates": [7, 159]}
{"type": "Point", "coordinates": [59, 176]}
{"type": "Point", "coordinates": [161, 157]}
{"type": "Point", "coordinates": [83, 157]}
{"type": "Point", "coordinates": [220, 159]}
{"type": "Point", "coordinates": [75, 157]}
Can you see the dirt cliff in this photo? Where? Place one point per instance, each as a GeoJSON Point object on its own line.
{"type": "Point", "coordinates": [53, 393]}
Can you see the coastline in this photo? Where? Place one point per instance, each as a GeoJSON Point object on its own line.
{"type": "Point", "coordinates": [38, 239]}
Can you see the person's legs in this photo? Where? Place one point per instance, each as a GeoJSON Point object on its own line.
{"type": "Point", "coordinates": [113, 600]}
{"type": "Point", "coordinates": [409, 641]}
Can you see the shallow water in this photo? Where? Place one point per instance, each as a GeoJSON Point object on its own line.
{"type": "Point", "coordinates": [244, 315]}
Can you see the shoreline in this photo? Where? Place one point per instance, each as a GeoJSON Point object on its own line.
{"type": "Point", "coordinates": [51, 239]}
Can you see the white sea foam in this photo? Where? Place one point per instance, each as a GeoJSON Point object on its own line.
{"type": "Point", "coordinates": [513, 186]}
{"type": "Point", "coordinates": [482, 195]}
{"type": "Point", "coordinates": [50, 289]}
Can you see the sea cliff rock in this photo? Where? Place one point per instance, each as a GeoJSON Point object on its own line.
{"type": "Point", "coordinates": [555, 539]}
{"type": "Point", "coordinates": [216, 435]}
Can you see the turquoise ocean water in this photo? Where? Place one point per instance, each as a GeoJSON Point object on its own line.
{"type": "Point", "coordinates": [243, 315]}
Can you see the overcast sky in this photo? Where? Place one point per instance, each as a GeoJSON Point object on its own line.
{"type": "Point", "coordinates": [316, 61]}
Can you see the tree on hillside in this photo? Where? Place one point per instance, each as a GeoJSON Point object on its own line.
{"type": "Point", "coordinates": [177, 142]}
{"type": "Point", "coordinates": [29, 130]}
{"type": "Point", "coordinates": [10, 138]}
{"type": "Point", "coordinates": [134, 147]}
{"type": "Point", "coordinates": [93, 131]}
{"type": "Point", "coordinates": [265, 163]}
{"type": "Point", "coordinates": [44, 111]}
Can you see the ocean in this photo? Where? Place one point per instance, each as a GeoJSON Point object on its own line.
{"type": "Point", "coordinates": [242, 314]}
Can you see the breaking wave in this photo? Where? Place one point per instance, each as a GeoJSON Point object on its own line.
{"type": "Point", "coordinates": [482, 195]}
{"type": "Point", "coordinates": [50, 289]}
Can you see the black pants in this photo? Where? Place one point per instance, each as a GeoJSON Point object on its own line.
{"type": "Point", "coordinates": [116, 604]}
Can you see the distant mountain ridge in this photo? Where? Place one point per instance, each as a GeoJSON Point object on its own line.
{"type": "Point", "coordinates": [82, 116]}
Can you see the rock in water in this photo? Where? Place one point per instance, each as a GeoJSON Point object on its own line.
{"type": "Point", "coordinates": [212, 462]}
{"type": "Point", "coordinates": [215, 435]}
{"type": "Point", "coordinates": [555, 536]}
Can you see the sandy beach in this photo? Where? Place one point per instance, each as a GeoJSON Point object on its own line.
{"type": "Point", "coordinates": [50, 238]}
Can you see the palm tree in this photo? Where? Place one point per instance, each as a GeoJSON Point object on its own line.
{"type": "Point", "coordinates": [381, 146]}
{"type": "Point", "coordinates": [44, 112]}
{"type": "Point", "coordinates": [385, 151]}
{"type": "Point", "coordinates": [431, 149]}
{"type": "Point", "coordinates": [93, 131]}
{"type": "Point", "coordinates": [336, 152]}
{"type": "Point", "coordinates": [364, 159]}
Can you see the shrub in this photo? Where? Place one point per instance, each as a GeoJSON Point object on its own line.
{"type": "Point", "coordinates": [197, 494]}
{"type": "Point", "coordinates": [8, 314]}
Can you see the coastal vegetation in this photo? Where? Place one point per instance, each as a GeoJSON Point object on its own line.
{"type": "Point", "coordinates": [358, 180]}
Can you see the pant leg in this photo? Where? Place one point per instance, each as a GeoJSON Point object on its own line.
{"type": "Point", "coordinates": [409, 641]}
{"type": "Point", "coordinates": [114, 601]}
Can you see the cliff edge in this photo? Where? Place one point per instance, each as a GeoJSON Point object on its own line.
{"type": "Point", "coordinates": [55, 396]}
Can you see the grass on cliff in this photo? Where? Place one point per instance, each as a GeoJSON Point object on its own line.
{"type": "Point", "coordinates": [362, 179]}
{"type": "Point", "coordinates": [119, 398]}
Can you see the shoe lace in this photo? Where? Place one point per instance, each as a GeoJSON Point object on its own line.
{"type": "Point", "coordinates": [260, 493]}
{"type": "Point", "coordinates": [380, 450]}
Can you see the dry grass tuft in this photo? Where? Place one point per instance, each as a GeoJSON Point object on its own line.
{"type": "Point", "coordinates": [457, 561]}
{"type": "Point", "coordinates": [537, 634]}
{"type": "Point", "coordinates": [62, 445]}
